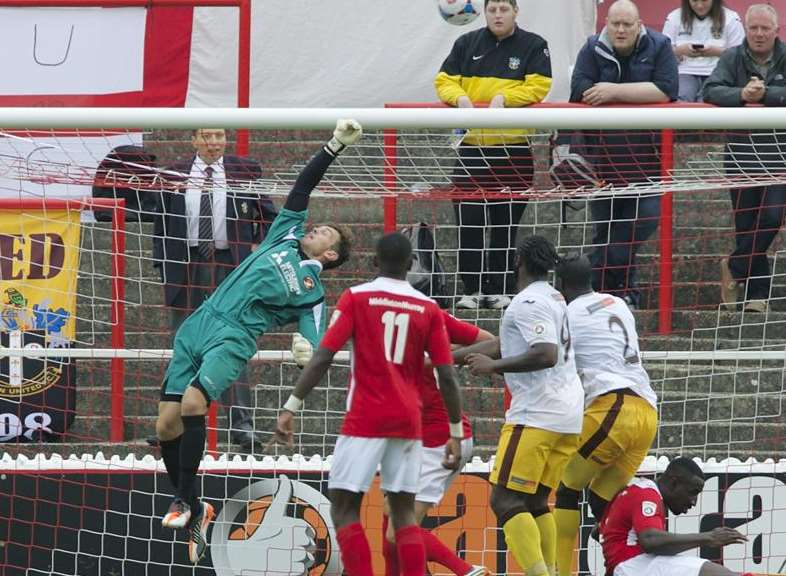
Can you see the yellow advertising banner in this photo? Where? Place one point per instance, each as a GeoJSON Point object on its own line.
{"type": "Point", "coordinates": [39, 260]}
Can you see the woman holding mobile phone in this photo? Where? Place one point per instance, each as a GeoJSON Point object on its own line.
{"type": "Point", "coordinates": [700, 30]}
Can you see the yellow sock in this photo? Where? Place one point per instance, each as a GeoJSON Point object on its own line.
{"type": "Point", "coordinates": [548, 541]}
{"type": "Point", "coordinates": [523, 539]}
{"type": "Point", "coordinates": [568, 523]}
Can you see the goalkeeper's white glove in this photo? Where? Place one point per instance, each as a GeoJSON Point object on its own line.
{"type": "Point", "coordinates": [302, 350]}
{"type": "Point", "coordinates": [347, 132]}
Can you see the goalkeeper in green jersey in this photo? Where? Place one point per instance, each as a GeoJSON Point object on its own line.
{"type": "Point", "coordinates": [276, 285]}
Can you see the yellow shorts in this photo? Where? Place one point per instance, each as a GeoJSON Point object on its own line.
{"type": "Point", "coordinates": [527, 457]}
{"type": "Point", "coordinates": [617, 433]}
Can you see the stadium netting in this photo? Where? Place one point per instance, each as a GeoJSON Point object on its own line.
{"type": "Point", "coordinates": [99, 343]}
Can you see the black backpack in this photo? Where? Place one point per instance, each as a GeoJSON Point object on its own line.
{"type": "Point", "coordinates": [427, 273]}
{"type": "Point", "coordinates": [128, 172]}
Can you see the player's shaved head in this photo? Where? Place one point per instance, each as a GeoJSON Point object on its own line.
{"type": "Point", "coordinates": [684, 468]}
{"type": "Point", "coordinates": [574, 276]}
{"type": "Point", "coordinates": [575, 271]}
{"type": "Point", "coordinates": [394, 255]}
{"type": "Point", "coordinates": [681, 484]}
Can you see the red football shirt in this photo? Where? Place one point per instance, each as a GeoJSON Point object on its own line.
{"type": "Point", "coordinates": [436, 430]}
{"type": "Point", "coordinates": [391, 325]}
{"type": "Point", "coordinates": [637, 508]}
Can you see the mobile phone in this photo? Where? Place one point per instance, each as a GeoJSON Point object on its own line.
{"type": "Point", "coordinates": [697, 46]}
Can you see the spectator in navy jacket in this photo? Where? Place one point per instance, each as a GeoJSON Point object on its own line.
{"type": "Point", "coordinates": [630, 64]}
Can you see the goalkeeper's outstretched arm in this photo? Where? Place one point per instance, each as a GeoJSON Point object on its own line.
{"type": "Point", "coordinates": [347, 132]}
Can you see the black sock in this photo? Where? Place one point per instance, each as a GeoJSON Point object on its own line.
{"type": "Point", "coordinates": [192, 446]}
{"type": "Point", "coordinates": [170, 453]}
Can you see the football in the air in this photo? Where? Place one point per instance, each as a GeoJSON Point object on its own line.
{"type": "Point", "coordinates": [459, 12]}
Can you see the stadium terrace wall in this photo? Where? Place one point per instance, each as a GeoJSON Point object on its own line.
{"type": "Point", "coordinates": [92, 516]}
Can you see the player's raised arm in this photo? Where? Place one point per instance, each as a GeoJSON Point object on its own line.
{"type": "Point", "coordinates": [536, 324]}
{"type": "Point", "coordinates": [486, 346]}
{"type": "Point", "coordinates": [347, 132]}
{"type": "Point", "coordinates": [341, 330]}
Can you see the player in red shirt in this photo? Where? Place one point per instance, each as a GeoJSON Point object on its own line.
{"type": "Point", "coordinates": [392, 326]}
{"type": "Point", "coordinates": [633, 528]}
{"type": "Point", "coordinates": [435, 479]}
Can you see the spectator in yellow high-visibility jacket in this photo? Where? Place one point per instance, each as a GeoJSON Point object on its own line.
{"type": "Point", "coordinates": [507, 67]}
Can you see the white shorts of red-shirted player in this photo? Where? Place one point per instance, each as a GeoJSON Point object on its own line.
{"type": "Point", "coordinates": [652, 565]}
{"type": "Point", "coordinates": [356, 460]}
{"type": "Point", "coordinates": [435, 479]}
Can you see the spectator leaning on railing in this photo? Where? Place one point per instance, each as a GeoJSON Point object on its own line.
{"type": "Point", "coordinates": [700, 30]}
{"type": "Point", "coordinates": [506, 67]}
{"type": "Point", "coordinates": [752, 73]}
{"type": "Point", "coordinates": [625, 63]}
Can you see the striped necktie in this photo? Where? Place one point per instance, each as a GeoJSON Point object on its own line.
{"type": "Point", "coordinates": [206, 245]}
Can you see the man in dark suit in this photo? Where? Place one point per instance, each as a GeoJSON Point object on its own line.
{"type": "Point", "coordinates": [204, 227]}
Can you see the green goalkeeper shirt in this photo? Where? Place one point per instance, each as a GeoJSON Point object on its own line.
{"type": "Point", "coordinates": [276, 285]}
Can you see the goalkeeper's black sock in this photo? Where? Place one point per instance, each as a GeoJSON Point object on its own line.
{"type": "Point", "coordinates": [170, 453]}
{"type": "Point", "coordinates": [192, 446]}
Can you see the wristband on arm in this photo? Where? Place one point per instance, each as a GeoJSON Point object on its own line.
{"type": "Point", "coordinates": [334, 147]}
{"type": "Point", "coordinates": [456, 430]}
{"type": "Point", "coordinates": [293, 404]}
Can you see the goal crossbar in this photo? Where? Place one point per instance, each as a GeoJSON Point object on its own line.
{"type": "Point", "coordinates": [539, 116]}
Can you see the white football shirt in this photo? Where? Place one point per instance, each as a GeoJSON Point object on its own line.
{"type": "Point", "coordinates": [553, 398]}
{"type": "Point", "coordinates": [732, 35]}
{"type": "Point", "coordinates": [606, 344]}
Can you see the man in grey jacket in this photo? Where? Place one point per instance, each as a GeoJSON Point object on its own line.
{"type": "Point", "coordinates": [752, 73]}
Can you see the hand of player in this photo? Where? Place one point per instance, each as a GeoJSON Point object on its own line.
{"type": "Point", "coordinates": [452, 459]}
{"type": "Point", "coordinates": [724, 536]}
{"type": "Point", "coordinates": [348, 131]}
{"type": "Point", "coordinates": [497, 102]}
{"type": "Point", "coordinates": [464, 102]}
{"type": "Point", "coordinates": [285, 428]}
{"type": "Point", "coordinates": [754, 90]}
{"type": "Point", "coordinates": [479, 364]}
{"type": "Point", "coordinates": [600, 93]}
{"type": "Point", "coordinates": [302, 350]}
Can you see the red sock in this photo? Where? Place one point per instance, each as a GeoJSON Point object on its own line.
{"type": "Point", "coordinates": [389, 551]}
{"type": "Point", "coordinates": [411, 553]}
{"type": "Point", "coordinates": [437, 552]}
{"type": "Point", "coordinates": [355, 551]}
